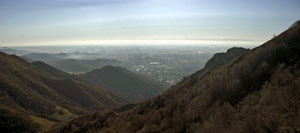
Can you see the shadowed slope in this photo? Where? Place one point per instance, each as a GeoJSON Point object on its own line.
{"type": "Point", "coordinates": [52, 71]}
{"type": "Point", "coordinates": [28, 89]}
{"type": "Point", "coordinates": [124, 83]}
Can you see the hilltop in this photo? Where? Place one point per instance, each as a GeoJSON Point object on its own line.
{"type": "Point", "coordinates": [220, 59]}
{"type": "Point", "coordinates": [119, 81]}
{"type": "Point", "coordinates": [124, 83]}
{"type": "Point", "coordinates": [81, 66]}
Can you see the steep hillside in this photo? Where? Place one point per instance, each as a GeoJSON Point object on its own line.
{"type": "Point", "coordinates": [258, 91]}
{"type": "Point", "coordinates": [124, 83]}
{"type": "Point", "coordinates": [81, 66]}
{"type": "Point", "coordinates": [28, 90]}
{"type": "Point", "coordinates": [220, 59]}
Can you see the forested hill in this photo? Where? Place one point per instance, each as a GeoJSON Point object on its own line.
{"type": "Point", "coordinates": [124, 83]}
{"type": "Point", "coordinates": [258, 91]}
{"type": "Point", "coordinates": [119, 81]}
{"type": "Point", "coordinates": [31, 96]}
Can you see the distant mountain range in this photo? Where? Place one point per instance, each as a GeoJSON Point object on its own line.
{"type": "Point", "coordinates": [45, 57]}
{"type": "Point", "coordinates": [64, 62]}
{"type": "Point", "coordinates": [13, 51]}
{"type": "Point", "coordinates": [257, 91]}
{"type": "Point", "coordinates": [82, 66]}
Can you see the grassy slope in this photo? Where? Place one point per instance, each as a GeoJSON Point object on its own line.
{"type": "Point", "coordinates": [60, 115]}
{"type": "Point", "coordinates": [44, 123]}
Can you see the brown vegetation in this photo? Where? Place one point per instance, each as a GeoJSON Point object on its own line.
{"type": "Point", "coordinates": [256, 92]}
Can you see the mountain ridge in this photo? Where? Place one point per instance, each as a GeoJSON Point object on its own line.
{"type": "Point", "coordinates": [119, 81]}
{"type": "Point", "coordinates": [83, 66]}
{"type": "Point", "coordinates": [26, 89]}
{"type": "Point", "coordinates": [255, 92]}
{"type": "Point", "coordinates": [124, 83]}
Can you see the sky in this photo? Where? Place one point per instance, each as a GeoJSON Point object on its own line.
{"type": "Point", "coordinates": [93, 22]}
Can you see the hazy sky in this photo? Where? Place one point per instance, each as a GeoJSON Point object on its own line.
{"type": "Point", "coordinates": [61, 22]}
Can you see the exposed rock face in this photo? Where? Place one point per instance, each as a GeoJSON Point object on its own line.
{"type": "Point", "coordinates": [220, 59]}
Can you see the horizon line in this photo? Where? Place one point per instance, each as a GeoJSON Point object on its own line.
{"type": "Point", "coordinates": [187, 41]}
